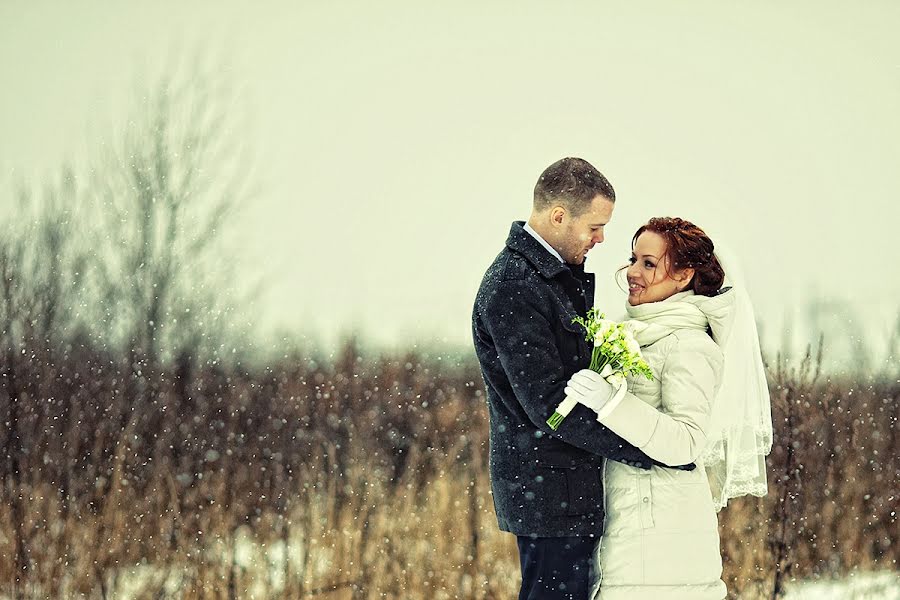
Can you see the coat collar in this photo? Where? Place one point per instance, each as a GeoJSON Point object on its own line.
{"type": "Point", "coordinates": [684, 310]}
{"type": "Point", "coordinates": [522, 242]}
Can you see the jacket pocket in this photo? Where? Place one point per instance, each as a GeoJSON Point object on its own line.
{"type": "Point", "coordinates": [571, 337]}
{"type": "Point", "coordinates": [560, 459]}
{"type": "Point", "coordinates": [566, 317]}
{"type": "Point", "coordinates": [573, 490]}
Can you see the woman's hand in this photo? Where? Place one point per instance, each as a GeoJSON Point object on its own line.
{"type": "Point", "coordinates": [591, 389]}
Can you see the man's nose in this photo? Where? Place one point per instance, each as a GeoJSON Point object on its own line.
{"type": "Point", "coordinates": [598, 237]}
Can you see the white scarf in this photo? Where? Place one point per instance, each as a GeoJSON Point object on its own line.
{"type": "Point", "coordinates": [684, 310]}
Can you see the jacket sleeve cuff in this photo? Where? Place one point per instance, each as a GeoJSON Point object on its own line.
{"type": "Point", "coordinates": [610, 406]}
{"type": "Point", "coordinates": [632, 419]}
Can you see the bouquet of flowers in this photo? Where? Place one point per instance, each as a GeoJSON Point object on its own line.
{"type": "Point", "coordinates": [616, 355]}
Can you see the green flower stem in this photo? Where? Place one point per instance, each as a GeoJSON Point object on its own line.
{"type": "Point", "coordinates": [554, 421]}
{"type": "Point", "coordinates": [598, 360]}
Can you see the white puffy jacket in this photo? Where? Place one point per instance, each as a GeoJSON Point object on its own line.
{"type": "Point", "coordinates": [661, 537]}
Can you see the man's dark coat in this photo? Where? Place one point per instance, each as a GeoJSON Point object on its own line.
{"type": "Point", "coordinates": [545, 483]}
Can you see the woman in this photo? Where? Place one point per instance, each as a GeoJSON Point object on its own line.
{"type": "Point", "coordinates": [661, 537]}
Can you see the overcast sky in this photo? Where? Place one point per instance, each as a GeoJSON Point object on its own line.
{"type": "Point", "coordinates": [395, 143]}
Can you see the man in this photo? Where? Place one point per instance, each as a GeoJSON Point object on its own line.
{"type": "Point", "coordinates": [547, 485]}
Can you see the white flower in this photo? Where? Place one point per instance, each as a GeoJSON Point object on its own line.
{"type": "Point", "coordinates": [633, 346]}
{"type": "Point", "coordinates": [616, 379]}
{"type": "Point", "coordinates": [606, 326]}
{"type": "Point", "coordinates": [630, 342]}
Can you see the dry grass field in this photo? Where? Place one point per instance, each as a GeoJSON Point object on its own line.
{"type": "Point", "coordinates": [361, 476]}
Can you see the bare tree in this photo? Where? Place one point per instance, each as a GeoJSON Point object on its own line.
{"type": "Point", "coordinates": [165, 193]}
{"type": "Point", "coordinates": [129, 264]}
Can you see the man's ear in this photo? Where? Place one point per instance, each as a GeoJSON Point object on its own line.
{"type": "Point", "coordinates": [557, 215]}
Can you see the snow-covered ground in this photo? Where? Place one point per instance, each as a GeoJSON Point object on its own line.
{"type": "Point", "coordinates": [251, 556]}
{"type": "Point", "coordinates": [884, 585]}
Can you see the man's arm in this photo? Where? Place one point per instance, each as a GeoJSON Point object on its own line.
{"type": "Point", "coordinates": [525, 343]}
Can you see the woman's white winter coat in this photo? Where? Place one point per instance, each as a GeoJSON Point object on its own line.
{"type": "Point", "coordinates": [661, 537]}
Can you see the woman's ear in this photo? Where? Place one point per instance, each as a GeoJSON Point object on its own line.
{"type": "Point", "coordinates": [683, 278]}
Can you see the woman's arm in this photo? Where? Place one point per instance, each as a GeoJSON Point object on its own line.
{"type": "Point", "coordinates": [525, 346]}
{"type": "Point", "coordinates": [676, 433]}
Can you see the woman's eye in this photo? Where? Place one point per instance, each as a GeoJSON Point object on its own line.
{"type": "Point", "coordinates": [632, 260]}
{"type": "Point", "coordinates": [649, 264]}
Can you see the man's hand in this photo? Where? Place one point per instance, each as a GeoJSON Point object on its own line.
{"type": "Point", "coordinates": [591, 389]}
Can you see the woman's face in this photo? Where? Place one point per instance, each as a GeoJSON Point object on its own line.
{"type": "Point", "coordinates": [648, 275]}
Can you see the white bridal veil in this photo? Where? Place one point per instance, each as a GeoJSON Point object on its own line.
{"type": "Point", "coordinates": [740, 432]}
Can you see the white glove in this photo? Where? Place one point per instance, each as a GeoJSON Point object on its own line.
{"type": "Point", "coordinates": [591, 389]}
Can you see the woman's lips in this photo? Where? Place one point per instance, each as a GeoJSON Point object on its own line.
{"type": "Point", "coordinates": [634, 288]}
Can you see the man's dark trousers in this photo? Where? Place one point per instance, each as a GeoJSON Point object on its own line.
{"type": "Point", "coordinates": [556, 568]}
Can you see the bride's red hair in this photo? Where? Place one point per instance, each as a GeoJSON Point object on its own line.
{"type": "Point", "coordinates": [688, 247]}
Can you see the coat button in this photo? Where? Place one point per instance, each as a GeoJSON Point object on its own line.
{"type": "Point", "coordinates": [646, 499]}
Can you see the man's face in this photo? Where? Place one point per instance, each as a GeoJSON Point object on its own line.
{"type": "Point", "coordinates": [577, 235]}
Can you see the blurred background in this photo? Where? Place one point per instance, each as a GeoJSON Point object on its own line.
{"type": "Point", "coordinates": [239, 245]}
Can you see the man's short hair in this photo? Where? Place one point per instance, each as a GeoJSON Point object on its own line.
{"type": "Point", "coordinates": [572, 182]}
